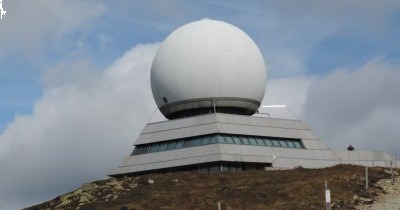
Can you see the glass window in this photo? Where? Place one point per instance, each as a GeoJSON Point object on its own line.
{"type": "Point", "coordinates": [298, 144]}
{"type": "Point", "coordinates": [253, 140]}
{"type": "Point", "coordinates": [275, 143]}
{"type": "Point", "coordinates": [196, 141]}
{"type": "Point", "coordinates": [145, 149]}
{"type": "Point", "coordinates": [221, 139]}
{"type": "Point", "coordinates": [205, 140]}
{"type": "Point", "coordinates": [171, 145]}
{"type": "Point", "coordinates": [187, 142]}
{"type": "Point", "coordinates": [154, 148]}
{"type": "Point", "coordinates": [228, 139]}
{"type": "Point", "coordinates": [213, 139]}
{"type": "Point", "coordinates": [213, 168]}
{"type": "Point", "coordinates": [268, 142]}
{"type": "Point", "coordinates": [245, 140]}
{"type": "Point", "coordinates": [217, 138]}
{"type": "Point", "coordinates": [162, 147]}
{"type": "Point", "coordinates": [141, 150]}
{"type": "Point", "coordinates": [136, 151]}
{"type": "Point", "coordinates": [283, 143]}
{"type": "Point", "coordinates": [236, 139]}
{"type": "Point", "coordinates": [291, 144]}
{"type": "Point", "coordinates": [203, 168]}
{"type": "Point", "coordinates": [260, 141]}
{"type": "Point", "coordinates": [224, 167]}
{"type": "Point", "coordinates": [179, 144]}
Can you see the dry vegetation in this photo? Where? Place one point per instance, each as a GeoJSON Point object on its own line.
{"type": "Point", "coordinates": [285, 189]}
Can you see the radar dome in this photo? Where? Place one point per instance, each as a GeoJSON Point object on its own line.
{"type": "Point", "coordinates": [208, 66]}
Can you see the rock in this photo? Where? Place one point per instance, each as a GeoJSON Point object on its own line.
{"type": "Point", "coordinates": [394, 172]}
{"type": "Point", "coordinates": [77, 192]}
{"type": "Point", "coordinates": [115, 197]}
{"type": "Point", "coordinates": [112, 182]}
{"type": "Point", "coordinates": [109, 196]}
{"type": "Point", "coordinates": [362, 200]}
{"type": "Point", "coordinates": [52, 203]}
{"type": "Point", "coordinates": [366, 200]}
{"type": "Point", "coordinates": [88, 187]}
{"type": "Point", "coordinates": [150, 181]}
{"type": "Point", "coordinates": [175, 180]}
{"type": "Point", "coordinates": [85, 198]}
{"type": "Point", "coordinates": [355, 199]}
{"type": "Point", "coordinates": [133, 185]}
{"type": "Point", "coordinates": [116, 185]}
{"type": "Point", "coordinates": [64, 201]}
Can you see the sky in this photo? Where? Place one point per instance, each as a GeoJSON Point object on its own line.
{"type": "Point", "coordinates": [75, 89]}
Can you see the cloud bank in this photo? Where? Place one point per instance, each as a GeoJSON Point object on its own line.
{"type": "Point", "coordinates": [80, 128]}
{"type": "Point", "coordinates": [30, 25]}
{"type": "Point", "coordinates": [360, 106]}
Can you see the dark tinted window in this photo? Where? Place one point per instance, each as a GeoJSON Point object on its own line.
{"type": "Point", "coordinates": [162, 147]}
{"type": "Point", "coordinates": [217, 138]}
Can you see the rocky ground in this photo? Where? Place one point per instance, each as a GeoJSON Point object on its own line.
{"type": "Point", "coordinates": [284, 189]}
{"type": "Point", "coordinates": [389, 199]}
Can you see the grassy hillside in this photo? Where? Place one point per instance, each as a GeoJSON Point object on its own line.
{"type": "Point", "coordinates": [279, 189]}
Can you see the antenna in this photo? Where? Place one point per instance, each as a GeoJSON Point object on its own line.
{"type": "Point", "coordinates": [275, 106]}
{"type": "Point", "coordinates": [280, 106]}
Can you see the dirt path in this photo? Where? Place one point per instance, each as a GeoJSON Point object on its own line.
{"type": "Point", "coordinates": [388, 201]}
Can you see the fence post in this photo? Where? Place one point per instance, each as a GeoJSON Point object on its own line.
{"type": "Point", "coordinates": [366, 177]}
{"type": "Point", "coordinates": [327, 197]}
{"type": "Point", "coordinates": [219, 205]}
{"type": "Point", "coordinates": [391, 171]}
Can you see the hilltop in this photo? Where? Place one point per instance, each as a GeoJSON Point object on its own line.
{"type": "Point", "coordinates": [274, 189]}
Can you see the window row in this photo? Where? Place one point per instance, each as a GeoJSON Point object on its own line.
{"type": "Point", "coordinates": [217, 138]}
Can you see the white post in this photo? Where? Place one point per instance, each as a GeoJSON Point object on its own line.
{"type": "Point", "coordinates": [366, 177]}
{"type": "Point", "coordinates": [391, 170]}
{"type": "Point", "coordinates": [215, 110]}
{"type": "Point", "coordinates": [274, 157]}
{"type": "Point", "coordinates": [219, 205]}
{"type": "Point", "coordinates": [327, 197]}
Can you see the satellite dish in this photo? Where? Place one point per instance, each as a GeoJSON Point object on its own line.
{"type": "Point", "coordinates": [350, 147]}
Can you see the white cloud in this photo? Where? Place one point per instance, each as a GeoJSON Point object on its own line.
{"type": "Point", "coordinates": [359, 106]}
{"type": "Point", "coordinates": [82, 126]}
{"type": "Point", "coordinates": [28, 25]}
{"type": "Point", "coordinates": [286, 91]}
{"type": "Point", "coordinates": [285, 63]}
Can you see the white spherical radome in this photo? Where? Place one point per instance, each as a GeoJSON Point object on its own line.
{"type": "Point", "coordinates": [206, 66]}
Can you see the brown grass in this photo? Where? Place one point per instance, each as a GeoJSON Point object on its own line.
{"type": "Point", "coordinates": [286, 189]}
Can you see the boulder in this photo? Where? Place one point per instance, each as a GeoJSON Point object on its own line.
{"type": "Point", "coordinates": [89, 187]}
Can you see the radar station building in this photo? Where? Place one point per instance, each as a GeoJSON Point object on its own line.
{"type": "Point", "coordinates": [208, 78]}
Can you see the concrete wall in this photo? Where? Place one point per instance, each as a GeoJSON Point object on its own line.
{"type": "Point", "coordinates": [314, 155]}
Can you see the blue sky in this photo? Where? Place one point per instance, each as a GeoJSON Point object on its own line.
{"type": "Point", "coordinates": [75, 74]}
{"type": "Point", "coordinates": [323, 41]}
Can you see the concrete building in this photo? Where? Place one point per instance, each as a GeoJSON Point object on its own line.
{"type": "Point", "coordinates": [208, 78]}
